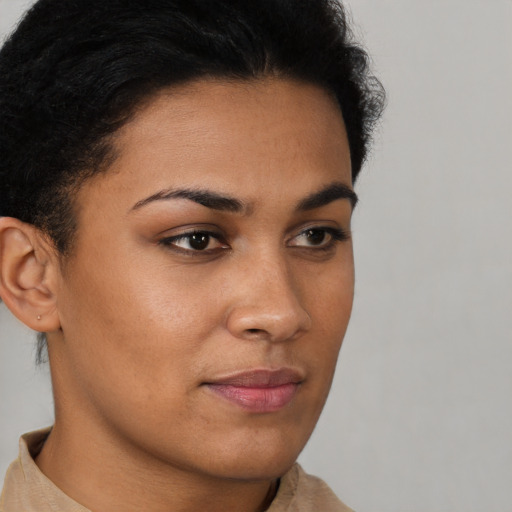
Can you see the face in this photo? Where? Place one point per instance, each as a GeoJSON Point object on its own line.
{"type": "Point", "coordinates": [211, 283]}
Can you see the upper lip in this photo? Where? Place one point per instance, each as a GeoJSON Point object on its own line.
{"type": "Point", "coordinates": [260, 378]}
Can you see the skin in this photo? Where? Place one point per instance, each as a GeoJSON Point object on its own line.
{"type": "Point", "coordinates": [139, 321]}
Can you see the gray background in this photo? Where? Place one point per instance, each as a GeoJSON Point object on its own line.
{"type": "Point", "coordinates": [420, 415]}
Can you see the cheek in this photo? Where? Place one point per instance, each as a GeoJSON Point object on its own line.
{"type": "Point", "coordinates": [136, 299]}
{"type": "Point", "coordinates": [329, 303]}
{"type": "Point", "coordinates": [130, 331]}
{"type": "Point", "coordinates": [329, 294]}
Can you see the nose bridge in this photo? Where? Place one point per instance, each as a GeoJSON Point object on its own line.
{"type": "Point", "coordinates": [268, 303]}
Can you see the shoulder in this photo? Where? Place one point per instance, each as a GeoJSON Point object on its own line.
{"type": "Point", "coordinates": [26, 489]}
{"type": "Point", "coordinates": [300, 492]}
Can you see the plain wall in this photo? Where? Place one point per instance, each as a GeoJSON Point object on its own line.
{"type": "Point", "coordinates": [420, 416]}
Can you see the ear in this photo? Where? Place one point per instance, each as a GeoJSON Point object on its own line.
{"type": "Point", "coordinates": [28, 272]}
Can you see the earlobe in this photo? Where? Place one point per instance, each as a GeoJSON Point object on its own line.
{"type": "Point", "coordinates": [27, 275]}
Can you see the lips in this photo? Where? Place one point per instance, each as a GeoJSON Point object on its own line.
{"type": "Point", "coordinates": [258, 391]}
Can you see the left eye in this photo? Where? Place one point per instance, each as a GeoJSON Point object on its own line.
{"type": "Point", "coordinates": [196, 241]}
{"type": "Point", "coordinates": [318, 237]}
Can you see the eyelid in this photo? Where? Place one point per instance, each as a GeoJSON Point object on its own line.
{"type": "Point", "coordinates": [323, 226]}
{"type": "Point", "coordinates": [337, 234]}
{"type": "Point", "coordinates": [333, 234]}
{"type": "Point", "coordinates": [186, 229]}
{"type": "Point", "coordinates": [170, 241]}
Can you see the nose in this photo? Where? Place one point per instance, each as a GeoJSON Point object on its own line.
{"type": "Point", "coordinates": [267, 305]}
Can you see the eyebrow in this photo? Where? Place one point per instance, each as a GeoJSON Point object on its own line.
{"type": "Point", "coordinates": [203, 197]}
{"type": "Point", "coordinates": [216, 201]}
{"type": "Point", "coordinates": [327, 195]}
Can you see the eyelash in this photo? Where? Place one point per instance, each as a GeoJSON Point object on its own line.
{"type": "Point", "coordinates": [337, 235]}
{"type": "Point", "coordinates": [171, 241]}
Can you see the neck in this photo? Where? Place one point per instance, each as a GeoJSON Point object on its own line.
{"type": "Point", "coordinates": [107, 477]}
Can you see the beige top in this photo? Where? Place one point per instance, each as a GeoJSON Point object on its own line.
{"type": "Point", "coordinates": [26, 489]}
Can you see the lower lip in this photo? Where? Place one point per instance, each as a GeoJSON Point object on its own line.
{"type": "Point", "coordinates": [265, 399]}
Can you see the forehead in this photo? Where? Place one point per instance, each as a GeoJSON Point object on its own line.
{"type": "Point", "coordinates": [241, 137]}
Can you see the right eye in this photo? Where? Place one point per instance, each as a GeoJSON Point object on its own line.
{"type": "Point", "coordinates": [195, 241]}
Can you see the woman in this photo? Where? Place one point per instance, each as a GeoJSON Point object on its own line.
{"type": "Point", "coordinates": [176, 195]}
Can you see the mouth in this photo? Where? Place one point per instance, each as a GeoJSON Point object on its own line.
{"type": "Point", "coordinates": [258, 391]}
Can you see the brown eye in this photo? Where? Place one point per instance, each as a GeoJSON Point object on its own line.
{"type": "Point", "coordinates": [196, 241]}
{"type": "Point", "coordinates": [315, 236]}
{"type": "Point", "coordinates": [318, 237]}
{"type": "Point", "coordinates": [312, 237]}
{"type": "Point", "coordinates": [199, 241]}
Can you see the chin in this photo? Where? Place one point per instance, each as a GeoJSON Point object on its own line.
{"type": "Point", "coordinates": [256, 461]}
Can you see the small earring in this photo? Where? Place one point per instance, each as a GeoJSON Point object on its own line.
{"type": "Point", "coordinates": [39, 317]}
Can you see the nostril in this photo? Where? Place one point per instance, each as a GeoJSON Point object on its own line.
{"type": "Point", "coordinates": [254, 334]}
{"type": "Point", "coordinates": [269, 322]}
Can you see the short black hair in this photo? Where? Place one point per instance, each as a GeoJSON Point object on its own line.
{"type": "Point", "coordinates": [74, 71]}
